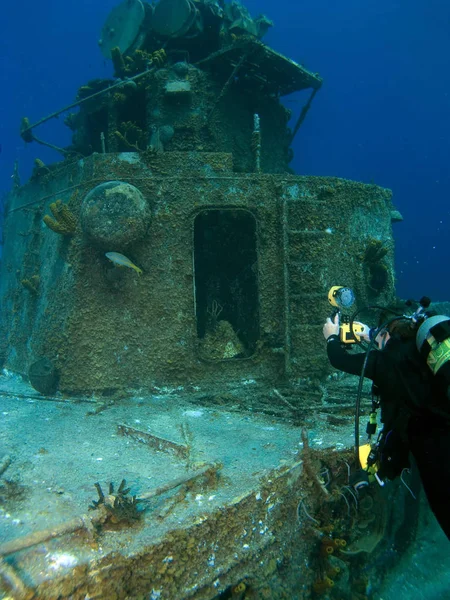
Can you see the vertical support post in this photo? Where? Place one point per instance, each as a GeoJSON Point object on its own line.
{"type": "Point", "coordinates": [102, 141]}
{"type": "Point", "coordinates": [287, 315]}
{"type": "Point", "coordinates": [256, 142]}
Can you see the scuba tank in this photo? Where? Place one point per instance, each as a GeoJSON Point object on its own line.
{"type": "Point", "coordinates": [433, 344]}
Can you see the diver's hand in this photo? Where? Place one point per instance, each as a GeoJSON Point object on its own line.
{"type": "Point", "coordinates": [362, 331]}
{"type": "Point", "coordinates": [331, 327]}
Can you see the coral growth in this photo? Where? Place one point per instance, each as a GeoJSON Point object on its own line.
{"type": "Point", "coordinates": [92, 87]}
{"type": "Point", "coordinates": [40, 168]}
{"type": "Point", "coordinates": [65, 222]}
{"type": "Point", "coordinates": [143, 60]}
{"type": "Point", "coordinates": [323, 585]}
{"type": "Point", "coordinates": [330, 545]}
{"type": "Point", "coordinates": [159, 137]}
{"type": "Point", "coordinates": [376, 271]}
{"type": "Point", "coordinates": [25, 132]}
{"type": "Point", "coordinates": [119, 97]}
{"type": "Point", "coordinates": [221, 343]}
{"type": "Point", "coordinates": [139, 62]}
{"type": "Point", "coordinates": [32, 284]}
{"type": "Point", "coordinates": [119, 64]}
{"type": "Point", "coordinates": [341, 520]}
{"type": "Point", "coordinates": [131, 136]}
{"type": "Point", "coordinates": [118, 505]}
{"type": "Point", "coordinates": [238, 591]}
{"type": "Point", "coordinates": [375, 251]}
{"type": "Point", "coordinates": [379, 278]}
{"type": "Point", "coordinates": [159, 57]}
{"type": "Point", "coordinates": [327, 571]}
{"type": "Point", "coordinates": [326, 192]}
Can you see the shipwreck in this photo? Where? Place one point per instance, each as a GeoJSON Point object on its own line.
{"type": "Point", "coordinates": [163, 289]}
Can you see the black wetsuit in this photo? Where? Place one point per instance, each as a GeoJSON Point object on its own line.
{"type": "Point", "coordinates": [414, 406]}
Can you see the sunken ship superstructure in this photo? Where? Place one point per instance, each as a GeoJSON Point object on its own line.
{"type": "Point", "coordinates": [172, 275]}
{"type": "Point", "coordinates": [181, 164]}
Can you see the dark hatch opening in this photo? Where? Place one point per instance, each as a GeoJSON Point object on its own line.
{"type": "Point", "coordinates": [226, 282]}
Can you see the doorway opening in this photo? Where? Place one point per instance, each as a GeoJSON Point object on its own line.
{"type": "Point", "coordinates": [226, 283]}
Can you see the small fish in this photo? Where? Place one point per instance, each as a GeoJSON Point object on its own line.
{"type": "Point", "coordinates": [119, 260]}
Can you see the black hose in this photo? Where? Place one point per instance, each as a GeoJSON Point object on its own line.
{"type": "Point", "coordinates": [363, 370]}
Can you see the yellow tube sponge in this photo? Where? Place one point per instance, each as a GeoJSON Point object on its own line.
{"type": "Point", "coordinates": [64, 222]}
{"type": "Point", "coordinates": [323, 585]}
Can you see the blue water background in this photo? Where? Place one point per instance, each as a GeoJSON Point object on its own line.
{"type": "Point", "coordinates": [382, 116]}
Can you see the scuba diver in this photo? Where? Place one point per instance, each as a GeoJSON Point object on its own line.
{"type": "Point", "coordinates": [414, 402]}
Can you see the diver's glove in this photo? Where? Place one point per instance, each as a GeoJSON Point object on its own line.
{"type": "Point", "coordinates": [364, 334]}
{"type": "Point", "coordinates": [331, 327]}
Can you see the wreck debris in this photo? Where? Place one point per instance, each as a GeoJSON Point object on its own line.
{"type": "Point", "coordinates": [43, 376]}
{"type": "Point", "coordinates": [227, 84]}
{"type": "Point", "coordinates": [188, 438]}
{"type": "Point", "coordinates": [26, 129]}
{"type": "Point", "coordinates": [303, 114]}
{"type": "Point", "coordinates": [26, 132]}
{"type": "Point", "coordinates": [286, 76]}
{"type": "Point", "coordinates": [283, 399]}
{"type": "Point", "coordinates": [89, 521]}
{"type": "Point", "coordinates": [301, 505]}
{"type": "Point", "coordinates": [370, 525]}
{"type": "Point", "coordinates": [39, 537]}
{"type": "Point", "coordinates": [309, 468]}
{"type": "Point", "coordinates": [155, 442]}
{"type": "Point", "coordinates": [362, 520]}
{"type": "Point", "coordinates": [15, 176]}
{"type": "Point", "coordinates": [14, 582]}
{"type": "Point", "coordinates": [209, 471]}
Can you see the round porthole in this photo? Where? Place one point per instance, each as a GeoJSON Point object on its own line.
{"type": "Point", "coordinates": [114, 215]}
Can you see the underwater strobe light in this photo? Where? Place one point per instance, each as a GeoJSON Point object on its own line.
{"type": "Point", "coordinates": [433, 343]}
{"type": "Point", "coordinates": [341, 297]}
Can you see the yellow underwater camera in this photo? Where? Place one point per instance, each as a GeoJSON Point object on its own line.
{"type": "Point", "coordinates": [342, 298]}
{"type": "Point", "coordinates": [388, 456]}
